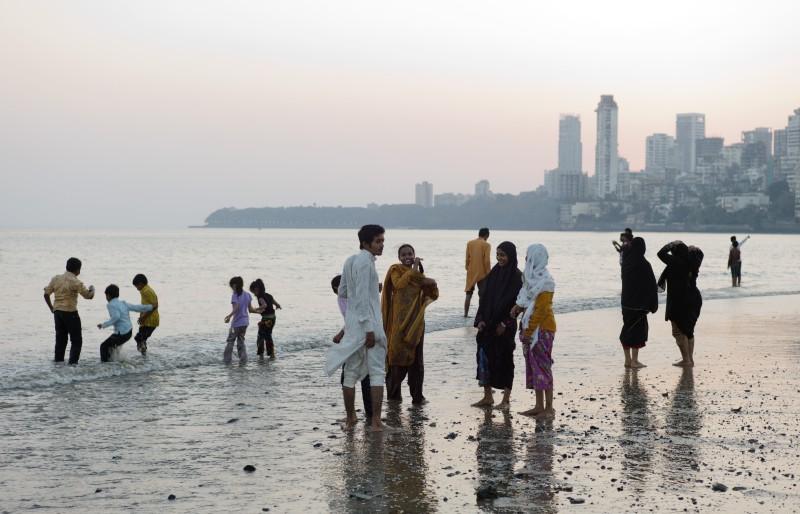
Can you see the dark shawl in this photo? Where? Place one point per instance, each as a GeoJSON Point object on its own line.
{"type": "Point", "coordinates": [694, 299]}
{"type": "Point", "coordinates": [500, 290]}
{"type": "Point", "coordinates": [639, 289]}
{"type": "Point", "coordinates": [676, 275]}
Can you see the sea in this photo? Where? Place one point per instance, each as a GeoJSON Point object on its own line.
{"type": "Point", "coordinates": [124, 435]}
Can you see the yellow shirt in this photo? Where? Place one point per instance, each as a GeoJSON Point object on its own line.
{"type": "Point", "coordinates": [477, 264]}
{"type": "Point", "coordinates": [66, 289]}
{"type": "Point", "coordinates": [542, 316]}
{"type": "Point", "coordinates": [149, 298]}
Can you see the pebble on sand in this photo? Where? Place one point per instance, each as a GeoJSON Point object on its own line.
{"type": "Point", "coordinates": [249, 468]}
{"type": "Point", "coordinates": [718, 487]}
{"type": "Point", "coordinates": [171, 497]}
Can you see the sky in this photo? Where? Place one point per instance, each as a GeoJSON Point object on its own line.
{"type": "Point", "coordinates": [147, 114]}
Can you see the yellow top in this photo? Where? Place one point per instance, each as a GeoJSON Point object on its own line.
{"type": "Point", "coordinates": [542, 315]}
{"type": "Point", "coordinates": [66, 289]}
{"type": "Point", "coordinates": [149, 297]}
{"type": "Point", "coordinates": [403, 307]}
{"type": "Point", "coordinates": [478, 264]}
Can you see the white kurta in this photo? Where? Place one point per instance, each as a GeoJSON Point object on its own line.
{"type": "Point", "coordinates": [359, 285]}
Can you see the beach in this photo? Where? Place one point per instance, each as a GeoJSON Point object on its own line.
{"type": "Point", "coordinates": [654, 439]}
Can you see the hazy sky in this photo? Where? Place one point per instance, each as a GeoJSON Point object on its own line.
{"type": "Point", "coordinates": [154, 113]}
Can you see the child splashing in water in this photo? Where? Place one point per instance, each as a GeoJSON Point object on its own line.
{"type": "Point", "coordinates": [240, 309]}
{"type": "Point", "coordinates": [266, 306]}
{"type": "Point", "coordinates": [538, 329]}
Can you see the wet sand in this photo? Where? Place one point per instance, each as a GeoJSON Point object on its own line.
{"type": "Point", "coordinates": [655, 439]}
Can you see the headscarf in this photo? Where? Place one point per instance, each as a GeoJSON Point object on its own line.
{"type": "Point", "coordinates": [536, 279]}
{"type": "Point", "coordinates": [502, 286]}
{"type": "Point", "coordinates": [639, 290]}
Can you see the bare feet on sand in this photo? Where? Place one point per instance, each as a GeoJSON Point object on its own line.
{"type": "Point", "coordinates": [486, 402]}
{"type": "Point", "coordinates": [546, 414]}
{"type": "Point", "coordinates": [684, 364]}
{"type": "Point", "coordinates": [504, 405]}
{"type": "Point", "coordinates": [349, 424]}
{"type": "Point", "coordinates": [533, 412]}
{"type": "Point", "coordinates": [637, 365]}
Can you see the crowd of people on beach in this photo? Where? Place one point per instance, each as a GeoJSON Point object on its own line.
{"type": "Point", "coordinates": [381, 342]}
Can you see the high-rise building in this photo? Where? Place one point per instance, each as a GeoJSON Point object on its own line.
{"type": "Point", "coordinates": [790, 158]}
{"type": "Point", "coordinates": [779, 143]}
{"type": "Point", "coordinates": [689, 127]}
{"type": "Point", "coordinates": [761, 135]}
{"type": "Point", "coordinates": [482, 189]}
{"type": "Point", "coordinates": [570, 148]}
{"type": "Point", "coordinates": [659, 152]}
{"type": "Point", "coordinates": [566, 184]}
{"type": "Point", "coordinates": [709, 149]}
{"type": "Point", "coordinates": [423, 194]}
{"type": "Point", "coordinates": [606, 154]}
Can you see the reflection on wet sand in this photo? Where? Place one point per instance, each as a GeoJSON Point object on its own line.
{"type": "Point", "coordinates": [637, 430]}
{"type": "Point", "coordinates": [540, 486]}
{"type": "Point", "coordinates": [496, 457]}
{"type": "Point", "coordinates": [684, 423]}
{"type": "Point", "coordinates": [385, 472]}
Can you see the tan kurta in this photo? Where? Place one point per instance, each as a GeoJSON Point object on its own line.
{"type": "Point", "coordinates": [403, 308]}
{"type": "Point", "coordinates": [478, 264]}
{"type": "Point", "coordinates": [66, 288]}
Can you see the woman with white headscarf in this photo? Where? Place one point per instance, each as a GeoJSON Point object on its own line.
{"type": "Point", "coordinates": [537, 329]}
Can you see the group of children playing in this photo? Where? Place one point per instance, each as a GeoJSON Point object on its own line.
{"type": "Point", "coordinates": [239, 318]}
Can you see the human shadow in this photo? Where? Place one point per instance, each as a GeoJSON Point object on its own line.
{"type": "Point", "coordinates": [495, 457]}
{"type": "Point", "coordinates": [684, 421]}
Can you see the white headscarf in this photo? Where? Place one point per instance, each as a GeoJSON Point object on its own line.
{"type": "Point", "coordinates": [536, 279]}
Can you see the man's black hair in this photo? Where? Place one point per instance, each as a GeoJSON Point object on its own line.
{"type": "Point", "coordinates": [335, 281]}
{"type": "Point", "coordinates": [112, 291]}
{"type": "Point", "coordinates": [73, 265]}
{"type": "Point", "coordinates": [736, 244]}
{"type": "Point", "coordinates": [484, 232]}
{"type": "Point", "coordinates": [368, 233]}
{"type": "Point", "coordinates": [140, 279]}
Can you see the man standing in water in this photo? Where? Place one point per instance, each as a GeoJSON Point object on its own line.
{"type": "Point", "coordinates": [477, 265]}
{"type": "Point", "coordinates": [66, 288]}
{"type": "Point", "coordinates": [362, 349]}
{"type": "Point", "coordinates": [735, 260]}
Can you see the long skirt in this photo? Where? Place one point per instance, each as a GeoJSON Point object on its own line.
{"type": "Point", "coordinates": [495, 358]}
{"type": "Point", "coordinates": [634, 328]}
{"type": "Point", "coordinates": [539, 361]}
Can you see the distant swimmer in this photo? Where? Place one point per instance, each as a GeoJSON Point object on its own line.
{"type": "Point", "coordinates": [148, 321]}
{"type": "Point", "coordinates": [477, 264]}
{"type": "Point", "coordinates": [66, 288]}
{"type": "Point", "coordinates": [735, 260]}
{"type": "Point", "coordinates": [120, 319]}
{"type": "Point", "coordinates": [362, 348]}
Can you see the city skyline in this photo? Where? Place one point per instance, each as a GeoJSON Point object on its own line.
{"type": "Point", "coordinates": [154, 114]}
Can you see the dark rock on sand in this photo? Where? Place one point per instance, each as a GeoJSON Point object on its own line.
{"type": "Point", "coordinates": [486, 492]}
{"type": "Point", "coordinates": [233, 420]}
{"type": "Point", "coordinates": [249, 468]}
{"type": "Point", "coordinates": [576, 501]}
{"type": "Point", "coordinates": [98, 490]}
{"type": "Point", "coordinates": [171, 497]}
{"type": "Point", "coordinates": [451, 435]}
{"type": "Point", "coordinates": [718, 487]}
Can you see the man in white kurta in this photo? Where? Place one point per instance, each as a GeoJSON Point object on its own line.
{"type": "Point", "coordinates": [362, 350]}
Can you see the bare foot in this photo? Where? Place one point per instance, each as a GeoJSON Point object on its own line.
{"type": "Point", "coordinates": [680, 364]}
{"type": "Point", "coordinates": [486, 402]}
{"type": "Point", "coordinates": [627, 364]}
{"type": "Point", "coordinates": [349, 424]}
{"type": "Point", "coordinates": [381, 428]}
{"type": "Point", "coordinates": [547, 414]}
{"type": "Point", "coordinates": [638, 365]}
{"type": "Point", "coordinates": [504, 405]}
{"type": "Point", "coordinates": [533, 412]}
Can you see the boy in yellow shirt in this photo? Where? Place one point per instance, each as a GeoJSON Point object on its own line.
{"type": "Point", "coordinates": [148, 321]}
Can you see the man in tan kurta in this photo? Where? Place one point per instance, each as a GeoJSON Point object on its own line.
{"type": "Point", "coordinates": [478, 265]}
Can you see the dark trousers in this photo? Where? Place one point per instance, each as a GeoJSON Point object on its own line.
{"type": "Point", "coordinates": [142, 336]}
{"type": "Point", "coordinates": [264, 337]}
{"type": "Point", "coordinates": [112, 342]}
{"type": "Point", "coordinates": [366, 395]}
{"type": "Point", "coordinates": [68, 325]}
{"type": "Point", "coordinates": [416, 374]}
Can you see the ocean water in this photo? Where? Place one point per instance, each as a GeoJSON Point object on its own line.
{"type": "Point", "coordinates": [140, 428]}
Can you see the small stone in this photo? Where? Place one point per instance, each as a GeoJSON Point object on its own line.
{"type": "Point", "coordinates": [98, 490]}
{"type": "Point", "coordinates": [171, 497]}
{"type": "Point", "coordinates": [718, 487]}
{"type": "Point", "coordinates": [451, 435]}
{"type": "Point", "coordinates": [233, 420]}
{"type": "Point", "coordinates": [576, 501]}
{"type": "Point", "coordinates": [739, 488]}
{"type": "Point", "coordinates": [317, 445]}
{"type": "Point", "coordinates": [249, 468]}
